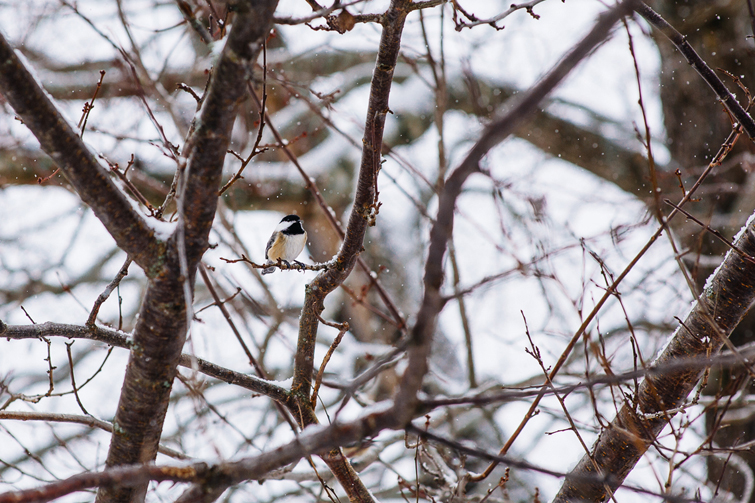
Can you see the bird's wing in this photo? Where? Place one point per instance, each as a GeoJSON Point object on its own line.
{"type": "Point", "coordinates": [270, 244]}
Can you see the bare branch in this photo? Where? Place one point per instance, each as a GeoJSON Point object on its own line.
{"type": "Point", "coordinates": [120, 339]}
{"type": "Point", "coordinates": [694, 59]}
{"type": "Point", "coordinates": [432, 303]}
{"type": "Point", "coordinates": [729, 295]}
{"type": "Point", "coordinates": [296, 266]}
{"type": "Point", "coordinates": [342, 329]}
{"type": "Point", "coordinates": [128, 476]}
{"type": "Point", "coordinates": [90, 421]}
{"type": "Point", "coordinates": [165, 313]}
{"type": "Point", "coordinates": [320, 12]}
{"type": "Point", "coordinates": [313, 189]}
{"type": "Point", "coordinates": [474, 21]}
{"type": "Point", "coordinates": [92, 182]}
{"type": "Point", "coordinates": [226, 474]}
{"type": "Point", "coordinates": [101, 298]}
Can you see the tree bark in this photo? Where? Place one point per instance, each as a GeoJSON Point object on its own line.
{"type": "Point", "coordinates": [722, 305]}
{"type": "Point", "coordinates": [91, 181]}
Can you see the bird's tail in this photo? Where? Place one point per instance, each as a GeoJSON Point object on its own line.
{"type": "Point", "coordinates": [268, 270]}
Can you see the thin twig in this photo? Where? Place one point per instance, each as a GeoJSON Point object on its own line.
{"type": "Point", "coordinates": [119, 339]}
{"type": "Point", "coordinates": [534, 351]}
{"type": "Point", "coordinates": [342, 329]}
{"type": "Point", "coordinates": [89, 420]}
{"type": "Point", "coordinates": [694, 59]}
{"type": "Point", "coordinates": [189, 90]}
{"type": "Point", "coordinates": [475, 21]}
{"type": "Point", "coordinates": [252, 360]}
{"type": "Point", "coordinates": [169, 147]}
{"type": "Point", "coordinates": [114, 168]}
{"type": "Point", "coordinates": [463, 313]}
{"type": "Point", "coordinates": [255, 148]}
{"type": "Point", "coordinates": [73, 379]}
{"type": "Point", "coordinates": [107, 291]}
{"type": "Point", "coordinates": [362, 301]}
{"type": "Point", "coordinates": [296, 266]}
{"type": "Point", "coordinates": [197, 26]}
{"type": "Point", "coordinates": [717, 234]}
{"type": "Point", "coordinates": [312, 187]}
{"type": "Point", "coordinates": [221, 305]}
{"type": "Point", "coordinates": [88, 106]}
{"type": "Point", "coordinates": [318, 12]}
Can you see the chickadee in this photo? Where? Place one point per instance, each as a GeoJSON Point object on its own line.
{"type": "Point", "coordinates": [286, 243]}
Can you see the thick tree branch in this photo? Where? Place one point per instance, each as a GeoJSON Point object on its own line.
{"type": "Point", "coordinates": [728, 296]}
{"type": "Point", "coordinates": [133, 475]}
{"type": "Point", "coordinates": [352, 245]}
{"type": "Point", "coordinates": [206, 149]}
{"type": "Point", "coordinates": [217, 477]}
{"type": "Point", "coordinates": [161, 329]}
{"type": "Point", "coordinates": [317, 439]}
{"type": "Point", "coordinates": [92, 182]}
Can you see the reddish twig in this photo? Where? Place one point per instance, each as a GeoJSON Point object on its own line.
{"type": "Point", "coordinates": [342, 329]}
{"type": "Point", "coordinates": [88, 106]}
{"type": "Point", "coordinates": [114, 168]}
{"type": "Point", "coordinates": [296, 266]}
{"type": "Point", "coordinates": [715, 233]}
{"type": "Point", "coordinates": [312, 187]}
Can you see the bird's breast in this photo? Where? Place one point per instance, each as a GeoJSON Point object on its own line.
{"type": "Point", "coordinates": [287, 247]}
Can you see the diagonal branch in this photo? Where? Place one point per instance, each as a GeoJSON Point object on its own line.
{"type": "Point", "coordinates": [312, 441]}
{"type": "Point", "coordinates": [92, 182]}
{"type": "Point", "coordinates": [729, 294]}
{"type": "Point", "coordinates": [522, 109]}
{"type": "Point", "coordinates": [259, 467]}
{"type": "Point", "coordinates": [206, 148]}
{"type": "Point", "coordinates": [353, 240]}
{"type": "Point", "coordinates": [694, 59]}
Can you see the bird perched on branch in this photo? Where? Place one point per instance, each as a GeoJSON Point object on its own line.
{"type": "Point", "coordinates": [286, 243]}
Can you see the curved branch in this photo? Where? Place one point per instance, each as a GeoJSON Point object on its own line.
{"type": "Point", "coordinates": [362, 215]}
{"type": "Point", "coordinates": [353, 241]}
{"type": "Point", "coordinates": [206, 149]}
{"type": "Point", "coordinates": [312, 441]}
{"type": "Point", "coordinates": [130, 476]}
{"type": "Point", "coordinates": [522, 109]}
